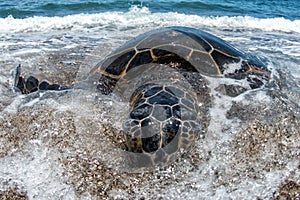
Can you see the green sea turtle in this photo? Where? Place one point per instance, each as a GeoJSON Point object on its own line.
{"type": "Point", "coordinates": [169, 107]}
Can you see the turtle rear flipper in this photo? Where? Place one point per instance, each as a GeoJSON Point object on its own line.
{"type": "Point", "coordinates": [32, 84]}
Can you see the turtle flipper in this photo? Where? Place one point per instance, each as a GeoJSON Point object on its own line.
{"type": "Point", "coordinates": [32, 84]}
{"type": "Point", "coordinates": [19, 80]}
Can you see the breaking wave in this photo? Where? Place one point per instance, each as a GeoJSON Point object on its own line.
{"type": "Point", "coordinates": [142, 17]}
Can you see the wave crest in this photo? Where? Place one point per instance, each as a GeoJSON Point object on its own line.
{"type": "Point", "coordinates": [139, 16]}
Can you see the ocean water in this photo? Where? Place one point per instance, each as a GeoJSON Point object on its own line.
{"type": "Point", "coordinates": [61, 41]}
{"type": "Point", "coordinates": [262, 9]}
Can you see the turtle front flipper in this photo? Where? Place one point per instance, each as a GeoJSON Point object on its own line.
{"type": "Point", "coordinates": [32, 84]}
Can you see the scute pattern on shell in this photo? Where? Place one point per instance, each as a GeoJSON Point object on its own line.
{"type": "Point", "coordinates": [159, 116]}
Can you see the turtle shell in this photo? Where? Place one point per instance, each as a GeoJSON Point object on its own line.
{"type": "Point", "coordinates": [195, 50]}
{"type": "Point", "coordinates": [164, 116]}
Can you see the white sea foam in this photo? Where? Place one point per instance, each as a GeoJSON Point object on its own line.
{"type": "Point", "coordinates": [34, 174]}
{"type": "Point", "coordinates": [137, 17]}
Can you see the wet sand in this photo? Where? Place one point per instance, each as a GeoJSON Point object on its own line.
{"type": "Point", "coordinates": [258, 157]}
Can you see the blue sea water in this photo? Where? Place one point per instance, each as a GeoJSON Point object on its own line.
{"type": "Point", "coordinates": [288, 9]}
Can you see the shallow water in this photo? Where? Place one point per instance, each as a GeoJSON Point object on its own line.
{"type": "Point", "coordinates": [59, 145]}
